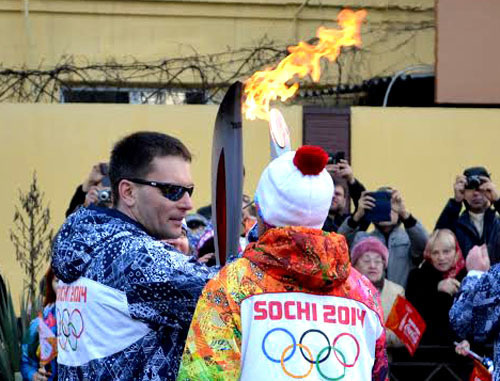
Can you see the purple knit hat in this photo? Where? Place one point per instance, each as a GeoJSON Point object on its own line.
{"type": "Point", "coordinates": [369, 244]}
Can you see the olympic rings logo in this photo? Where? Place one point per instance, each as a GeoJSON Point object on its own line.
{"type": "Point", "coordinates": [321, 357]}
{"type": "Point", "coordinates": [69, 328]}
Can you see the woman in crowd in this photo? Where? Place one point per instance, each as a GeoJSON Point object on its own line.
{"type": "Point", "coordinates": [370, 257]}
{"type": "Point", "coordinates": [31, 368]}
{"type": "Point", "coordinates": [433, 285]}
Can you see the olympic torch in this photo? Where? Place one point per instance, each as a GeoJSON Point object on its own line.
{"type": "Point", "coordinates": [279, 134]}
{"type": "Point", "coordinates": [227, 175]}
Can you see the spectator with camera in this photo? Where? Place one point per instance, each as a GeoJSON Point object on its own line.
{"type": "Point", "coordinates": [479, 223]}
{"type": "Point", "coordinates": [96, 189]}
{"type": "Point", "coordinates": [406, 243]}
{"type": "Point", "coordinates": [345, 185]}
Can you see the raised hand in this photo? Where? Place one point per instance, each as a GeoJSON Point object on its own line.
{"type": "Point", "coordinates": [459, 188]}
{"type": "Point", "coordinates": [449, 285]}
{"type": "Point", "coordinates": [398, 204]}
{"type": "Point", "coordinates": [94, 178]}
{"type": "Point", "coordinates": [489, 189]}
{"type": "Point", "coordinates": [344, 170]}
{"type": "Point", "coordinates": [366, 202]}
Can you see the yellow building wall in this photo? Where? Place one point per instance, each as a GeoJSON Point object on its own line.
{"type": "Point", "coordinates": [421, 150]}
{"type": "Point", "coordinates": [45, 33]}
{"type": "Point", "coordinates": [62, 142]}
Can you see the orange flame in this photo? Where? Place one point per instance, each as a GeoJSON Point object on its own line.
{"type": "Point", "coordinates": [267, 85]}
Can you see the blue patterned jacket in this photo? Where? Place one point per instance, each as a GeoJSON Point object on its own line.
{"type": "Point", "coordinates": [125, 300]}
{"type": "Point", "coordinates": [475, 314]}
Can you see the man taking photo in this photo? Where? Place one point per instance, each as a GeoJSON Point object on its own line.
{"type": "Point", "coordinates": [479, 222]}
{"type": "Point", "coordinates": [348, 186]}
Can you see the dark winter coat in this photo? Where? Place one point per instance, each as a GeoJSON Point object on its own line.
{"type": "Point", "coordinates": [433, 305]}
{"type": "Point", "coordinates": [464, 229]}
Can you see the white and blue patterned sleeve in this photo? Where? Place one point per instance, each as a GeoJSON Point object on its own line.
{"type": "Point", "coordinates": [164, 287]}
{"type": "Point", "coordinates": [475, 314]}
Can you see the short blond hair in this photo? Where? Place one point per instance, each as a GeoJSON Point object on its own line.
{"type": "Point", "coordinates": [440, 234]}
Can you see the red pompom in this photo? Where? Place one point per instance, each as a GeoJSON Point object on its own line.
{"type": "Point", "coordinates": [310, 160]}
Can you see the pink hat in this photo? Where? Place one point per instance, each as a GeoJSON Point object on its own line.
{"type": "Point", "coordinates": [369, 244]}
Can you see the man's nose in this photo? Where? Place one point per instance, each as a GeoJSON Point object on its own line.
{"type": "Point", "coordinates": [185, 202]}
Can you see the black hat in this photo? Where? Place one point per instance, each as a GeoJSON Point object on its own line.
{"type": "Point", "coordinates": [195, 220]}
{"type": "Point", "coordinates": [476, 171]}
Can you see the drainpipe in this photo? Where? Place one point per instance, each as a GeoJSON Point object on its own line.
{"type": "Point", "coordinates": [416, 69]}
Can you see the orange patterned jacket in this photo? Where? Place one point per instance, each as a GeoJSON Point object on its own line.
{"type": "Point", "coordinates": [292, 307]}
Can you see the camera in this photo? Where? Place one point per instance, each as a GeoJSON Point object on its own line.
{"type": "Point", "coordinates": [104, 197]}
{"type": "Point", "coordinates": [475, 177]}
{"type": "Point", "coordinates": [473, 182]}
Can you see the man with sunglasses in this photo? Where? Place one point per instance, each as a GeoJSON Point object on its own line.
{"type": "Point", "coordinates": [126, 298]}
{"type": "Point", "coordinates": [479, 223]}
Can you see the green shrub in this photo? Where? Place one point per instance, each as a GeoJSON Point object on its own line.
{"type": "Point", "coordinates": [10, 343]}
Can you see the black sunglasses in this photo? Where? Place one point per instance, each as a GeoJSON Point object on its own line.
{"type": "Point", "coordinates": [171, 191]}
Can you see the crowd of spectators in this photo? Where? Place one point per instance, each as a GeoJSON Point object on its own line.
{"type": "Point", "coordinates": [400, 257]}
{"type": "Point", "coordinates": [396, 254]}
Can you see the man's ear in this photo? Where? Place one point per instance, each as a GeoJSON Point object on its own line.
{"type": "Point", "coordinates": [127, 192]}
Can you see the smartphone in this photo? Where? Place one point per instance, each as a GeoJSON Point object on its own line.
{"type": "Point", "coordinates": [382, 209]}
{"type": "Point", "coordinates": [334, 158]}
{"type": "Point", "coordinates": [338, 156]}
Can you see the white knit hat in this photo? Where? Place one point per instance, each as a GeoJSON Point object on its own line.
{"type": "Point", "coordinates": [295, 189]}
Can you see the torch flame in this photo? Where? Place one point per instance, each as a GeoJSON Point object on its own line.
{"type": "Point", "coordinates": [267, 85]}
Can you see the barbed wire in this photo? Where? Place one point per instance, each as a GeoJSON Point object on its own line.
{"type": "Point", "coordinates": [209, 74]}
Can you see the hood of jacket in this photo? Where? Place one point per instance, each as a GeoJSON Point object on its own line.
{"type": "Point", "coordinates": [84, 235]}
{"type": "Point", "coordinates": [309, 258]}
